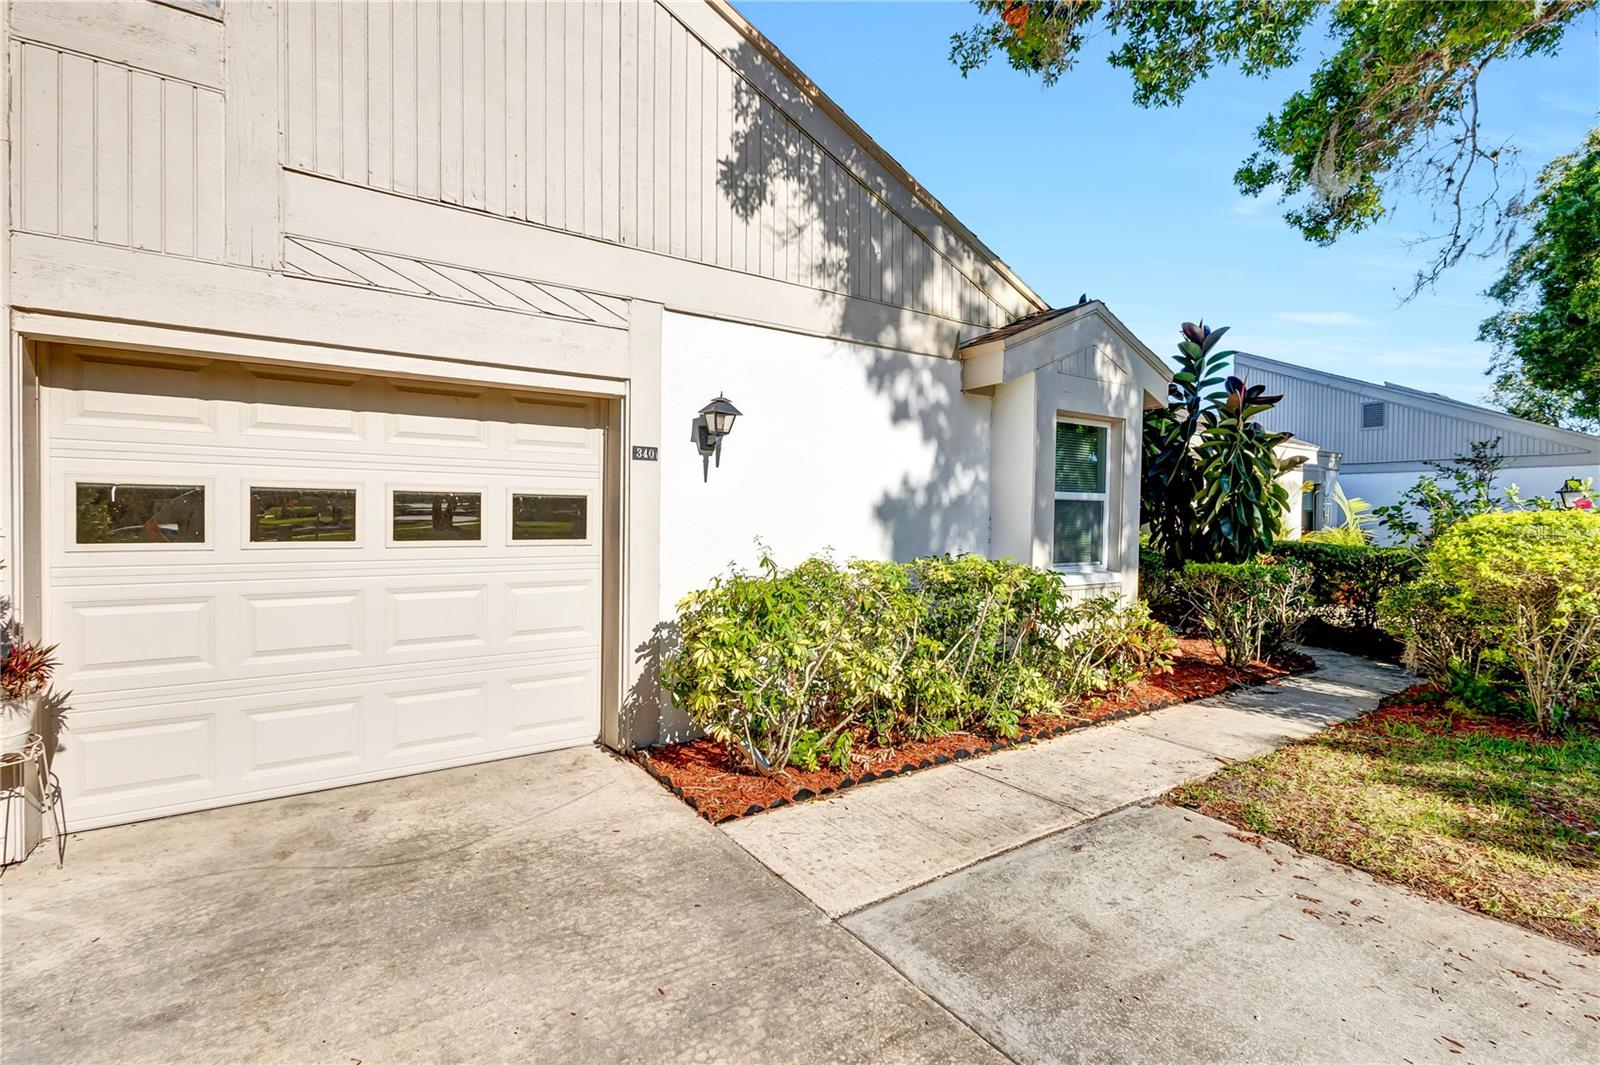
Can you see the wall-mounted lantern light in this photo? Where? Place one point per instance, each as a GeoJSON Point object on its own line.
{"type": "Point", "coordinates": [1574, 495]}
{"type": "Point", "coordinates": [716, 422]}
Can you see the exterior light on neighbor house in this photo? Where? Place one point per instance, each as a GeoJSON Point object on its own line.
{"type": "Point", "coordinates": [716, 422]}
{"type": "Point", "coordinates": [1574, 495]}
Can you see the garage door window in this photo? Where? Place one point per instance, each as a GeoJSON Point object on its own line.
{"type": "Point", "coordinates": [111, 513]}
{"type": "Point", "coordinates": [434, 516]}
{"type": "Point", "coordinates": [536, 517]}
{"type": "Point", "coordinates": [302, 515]}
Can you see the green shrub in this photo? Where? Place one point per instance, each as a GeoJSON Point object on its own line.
{"type": "Point", "coordinates": [1528, 584]}
{"type": "Point", "coordinates": [1252, 610]}
{"type": "Point", "coordinates": [1348, 580]}
{"type": "Point", "coordinates": [1109, 646]}
{"type": "Point", "coordinates": [1158, 588]}
{"type": "Point", "coordinates": [1439, 643]}
{"type": "Point", "coordinates": [988, 645]}
{"type": "Point", "coordinates": [788, 667]}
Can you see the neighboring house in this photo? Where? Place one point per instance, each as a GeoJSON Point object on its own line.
{"type": "Point", "coordinates": [357, 351]}
{"type": "Point", "coordinates": [1377, 440]}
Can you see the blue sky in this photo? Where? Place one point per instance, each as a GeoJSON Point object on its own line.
{"type": "Point", "coordinates": [1079, 190]}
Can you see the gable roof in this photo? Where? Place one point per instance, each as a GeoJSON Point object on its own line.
{"type": "Point", "coordinates": [1032, 325]}
{"type": "Point", "coordinates": [1027, 345]}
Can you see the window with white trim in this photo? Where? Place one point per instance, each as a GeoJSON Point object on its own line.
{"type": "Point", "coordinates": [1082, 505]}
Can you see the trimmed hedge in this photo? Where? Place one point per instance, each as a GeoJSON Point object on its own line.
{"type": "Point", "coordinates": [1252, 610]}
{"type": "Point", "coordinates": [1348, 580]}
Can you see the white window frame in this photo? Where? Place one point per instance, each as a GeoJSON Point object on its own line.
{"type": "Point", "coordinates": [1104, 498]}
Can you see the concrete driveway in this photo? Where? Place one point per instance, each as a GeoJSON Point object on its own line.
{"type": "Point", "coordinates": [561, 907]}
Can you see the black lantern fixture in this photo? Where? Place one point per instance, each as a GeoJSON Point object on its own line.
{"type": "Point", "coordinates": [716, 421]}
{"type": "Point", "coordinates": [1572, 492]}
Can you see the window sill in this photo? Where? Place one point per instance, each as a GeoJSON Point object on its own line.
{"type": "Point", "coordinates": [1088, 578]}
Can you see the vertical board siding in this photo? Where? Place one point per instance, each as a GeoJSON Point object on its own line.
{"type": "Point", "coordinates": [118, 156]}
{"type": "Point", "coordinates": [609, 119]}
{"type": "Point", "coordinates": [1329, 416]}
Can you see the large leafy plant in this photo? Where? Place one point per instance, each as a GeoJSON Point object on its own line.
{"type": "Point", "coordinates": [1209, 488]}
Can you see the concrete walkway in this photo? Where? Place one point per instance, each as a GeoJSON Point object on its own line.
{"type": "Point", "coordinates": [1039, 896]}
{"type": "Point", "coordinates": [871, 842]}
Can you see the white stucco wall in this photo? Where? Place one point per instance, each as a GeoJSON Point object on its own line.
{"type": "Point", "coordinates": [869, 452]}
{"type": "Point", "coordinates": [1381, 489]}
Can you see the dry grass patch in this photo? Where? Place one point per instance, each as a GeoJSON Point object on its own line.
{"type": "Point", "coordinates": [1487, 814]}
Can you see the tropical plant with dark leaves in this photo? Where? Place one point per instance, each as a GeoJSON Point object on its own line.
{"type": "Point", "coordinates": [1209, 485]}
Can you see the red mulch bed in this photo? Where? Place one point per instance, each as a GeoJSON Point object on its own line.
{"type": "Point", "coordinates": [708, 777]}
{"type": "Point", "coordinates": [1420, 706]}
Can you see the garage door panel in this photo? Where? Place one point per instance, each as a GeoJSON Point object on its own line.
{"type": "Point", "coordinates": [282, 629]}
{"type": "Point", "coordinates": [553, 708]}
{"type": "Point", "coordinates": [305, 740]}
{"type": "Point", "coordinates": [109, 641]}
{"type": "Point", "coordinates": [435, 619]}
{"type": "Point", "coordinates": [424, 723]}
{"type": "Point", "coordinates": [298, 642]}
{"type": "Point", "coordinates": [139, 393]}
{"type": "Point", "coordinates": [302, 406]}
{"type": "Point", "coordinates": [562, 610]}
{"type": "Point", "coordinates": [142, 762]}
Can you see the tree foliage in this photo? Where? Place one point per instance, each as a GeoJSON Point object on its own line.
{"type": "Point", "coordinates": [1547, 337]}
{"type": "Point", "coordinates": [1392, 105]}
{"type": "Point", "coordinates": [1209, 485]}
{"type": "Point", "coordinates": [1458, 489]}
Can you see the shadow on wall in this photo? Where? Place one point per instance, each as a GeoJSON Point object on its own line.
{"type": "Point", "coordinates": [807, 218]}
{"type": "Point", "coordinates": [835, 231]}
{"type": "Point", "coordinates": [945, 509]}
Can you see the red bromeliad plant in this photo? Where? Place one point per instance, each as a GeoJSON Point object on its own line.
{"type": "Point", "coordinates": [25, 670]}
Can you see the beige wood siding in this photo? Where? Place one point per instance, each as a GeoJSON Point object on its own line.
{"type": "Point", "coordinates": [116, 155]}
{"type": "Point", "coordinates": [610, 120]}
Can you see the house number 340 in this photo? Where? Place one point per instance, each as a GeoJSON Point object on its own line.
{"type": "Point", "coordinates": [642, 453]}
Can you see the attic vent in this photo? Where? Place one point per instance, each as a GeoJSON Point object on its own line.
{"type": "Point", "coordinates": [1372, 414]}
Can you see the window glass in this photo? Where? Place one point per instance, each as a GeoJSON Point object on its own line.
{"type": "Point", "coordinates": [1080, 457]}
{"type": "Point", "coordinates": [110, 513]}
{"type": "Point", "coordinates": [549, 517]}
{"type": "Point", "coordinates": [1080, 496]}
{"type": "Point", "coordinates": [302, 515]}
{"type": "Point", "coordinates": [1080, 525]}
{"type": "Point", "coordinates": [438, 516]}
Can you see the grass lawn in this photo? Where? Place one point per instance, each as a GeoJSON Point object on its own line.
{"type": "Point", "coordinates": [1483, 812]}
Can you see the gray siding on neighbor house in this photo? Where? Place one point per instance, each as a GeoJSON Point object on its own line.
{"type": "Point", "coordinates": [618, 121]}
{"type": "Point", "coordinates": [1326, 410]}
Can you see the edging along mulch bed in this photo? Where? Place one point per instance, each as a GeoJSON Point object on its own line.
{"type": "Point", "coordinates": [707, 776]}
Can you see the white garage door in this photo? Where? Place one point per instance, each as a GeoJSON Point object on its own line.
{"type": "Point", "coordinates": [266, 581]}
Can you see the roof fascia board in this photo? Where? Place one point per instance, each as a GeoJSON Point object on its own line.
{"type": "Point", "coordinates": [1413, 397]}
{"type": "Point", "coordinates": [1097, 308]}
{"type": "Point", "coordinates": [915, 203]}
{"type": "Point", "coordinates": [985, 365]}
